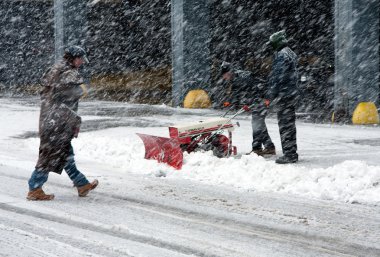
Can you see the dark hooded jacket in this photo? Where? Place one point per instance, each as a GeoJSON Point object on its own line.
{"type": "Point", "coordinates": [244, 88]}
{"type": "Point", "coordinates": [58, 118]}
{"type": "Point", "coordinates": [283, 79]}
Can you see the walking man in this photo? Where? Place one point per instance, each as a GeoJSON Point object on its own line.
{"type": "Point", "coordinates": [283, 94]}
{"type": "Point", "coordinates": [59, 124]}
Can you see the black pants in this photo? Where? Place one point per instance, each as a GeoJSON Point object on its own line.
{"type": "Point", "coordinates": [286, 116]}
{"type": "Point", "coordinates": [260, 135]}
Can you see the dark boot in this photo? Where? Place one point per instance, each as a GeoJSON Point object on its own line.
{"type": "Point", "coordinates": [285, 159]}
{"type": "Point", "coordinates": [263, 152]}
{"type": "Point", "coordinates": [84, 190]}
{"type": "Point", "coordinates": [39, 195]}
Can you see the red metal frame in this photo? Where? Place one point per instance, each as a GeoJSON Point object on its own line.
{"type": "Point", "coordinates": [168, 150]}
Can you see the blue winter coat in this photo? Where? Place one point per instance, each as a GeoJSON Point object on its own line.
{"type": "Point", "coordinates": [283, 79]}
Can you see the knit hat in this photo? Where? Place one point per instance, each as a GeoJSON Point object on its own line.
{"type": "Point", "coordinates": [278, 39]}
{"type": "Point", "coordinates": [225, 67]}
{"type": "Point", "coordinates": [76, 51]}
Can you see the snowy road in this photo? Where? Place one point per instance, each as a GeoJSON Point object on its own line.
{"type": "Point", "coordinates": [145, 209]}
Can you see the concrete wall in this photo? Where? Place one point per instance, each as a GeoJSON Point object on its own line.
{"type": "Point", "coordinates": [356, 53]}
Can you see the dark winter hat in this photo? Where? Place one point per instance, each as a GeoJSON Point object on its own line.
{"type": "Point", "coordinates": [225, 67]}
{"type": "Point", "coordinates": [77, 51]}
{"type": "Point", "coordinates": [278, 39]}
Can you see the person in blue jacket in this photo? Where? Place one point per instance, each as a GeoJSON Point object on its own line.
{"type": "Point", "coordinates": [283, 94]}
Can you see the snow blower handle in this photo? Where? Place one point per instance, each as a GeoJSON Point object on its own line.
{"type": "Point", "coordinates": [228, 111]}
{"type": "Point", "coordinates": [240, 111]}
{"type": "Point", "coordinates": [246, 108]}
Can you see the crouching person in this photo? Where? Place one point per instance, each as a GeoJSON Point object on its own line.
{"type": "Point", "coordinates": [244, 89]}
{"type": "Point", "coordinates": [59, 123]}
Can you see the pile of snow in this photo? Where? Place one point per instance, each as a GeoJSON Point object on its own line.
{"type": "Point", "coordinates": [349, 181]}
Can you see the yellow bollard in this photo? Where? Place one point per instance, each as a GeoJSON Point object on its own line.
{"type": "Point", "coordinates": [197, 98]}
{"type": "Point", "coordinates": [365, 113]}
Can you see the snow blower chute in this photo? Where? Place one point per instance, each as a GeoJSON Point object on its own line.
{"type": "Point", "coordinates": [190, 137]}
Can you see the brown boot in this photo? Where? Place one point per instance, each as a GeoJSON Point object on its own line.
{"type": "Point", "coordinates": [84, 190]}
{"type": "Point", "coordinates": [258, 152]}
{"type": "Point", "coordinates": [269, 151]}
{"type": "Point", "coordinates": [263, 152]}
{"type": "Point", "coordinates": [39, 195]}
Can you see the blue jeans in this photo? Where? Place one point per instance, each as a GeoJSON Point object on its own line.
{"type": "Point", "coordinates": [260, 135]}
{"type": "Point", "coordinates": [39, 177]}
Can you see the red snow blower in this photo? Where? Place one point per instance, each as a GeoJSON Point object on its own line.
{"type": "Point", "coordinates": [206, 135]}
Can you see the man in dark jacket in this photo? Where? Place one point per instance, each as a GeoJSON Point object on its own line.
{"type": "Point", "coordinates": [59, 124]}
{"type": "Point", "coordinates": [243, 89]}
{"type": "Point", "coordinates": [283, 94]}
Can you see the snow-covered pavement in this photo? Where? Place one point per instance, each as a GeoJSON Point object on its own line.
{"type": "Point", "coordinates": [326, 205]}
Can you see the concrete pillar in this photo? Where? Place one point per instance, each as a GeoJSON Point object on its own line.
{"type": "Point", "coordinates": [356, 53]}
{"type": "Point", "coordinates": [69, 24]}
{"type": "Point", "coordinates": [190, 47]}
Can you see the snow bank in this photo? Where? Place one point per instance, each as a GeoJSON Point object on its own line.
{"type": "Point", "coordinates": [349, 181]}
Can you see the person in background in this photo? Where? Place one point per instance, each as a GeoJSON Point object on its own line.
{"type": "Point", "coordinates": [283, 94]}
{"type": "Point", "coordinates": [242, 89]}
{"type": "Point", "coordinates": [59, 123]}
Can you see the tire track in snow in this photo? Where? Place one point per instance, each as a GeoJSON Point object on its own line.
{"type": "Point", "coordinates": [36, 242]}
{"type": "Point", "coordinates": [98, 229]}
{"type": "Point", "coordinates": [318, 243]}
{"type": "Point", "coordinates": [305, 240]}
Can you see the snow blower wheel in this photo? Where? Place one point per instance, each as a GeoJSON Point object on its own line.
{"type": "Point", "coordinates": [220, 145]}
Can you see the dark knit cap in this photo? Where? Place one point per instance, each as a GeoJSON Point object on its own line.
{"type": "Point", "coordinates": [225, 67]}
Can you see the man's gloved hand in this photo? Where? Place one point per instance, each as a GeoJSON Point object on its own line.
{"type": "Point", "coordinates": [226, 104]}
{"type": "Point", "coordinates": [246, 108]}
{"type": "Point", "coordinates": [266, 102]}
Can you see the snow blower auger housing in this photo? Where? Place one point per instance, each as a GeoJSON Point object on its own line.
{"type": "Point", "coordinates": [190, 137]}
{"type": "Point", "coordinates": [194, 136]}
